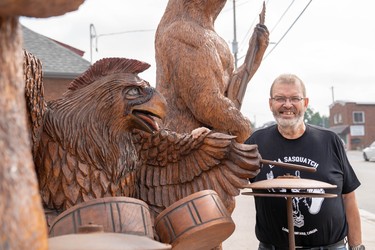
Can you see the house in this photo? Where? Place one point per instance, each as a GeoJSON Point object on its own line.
{"type": "Point", "coordinates": [354, 122]}
{"type": "Point", "coordinates": [61, 63]}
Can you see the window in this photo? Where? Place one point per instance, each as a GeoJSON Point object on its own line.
{"type": "Point", "coordinates": [337, 118]}
{"type": "Point", "coordinates": [358, 117]}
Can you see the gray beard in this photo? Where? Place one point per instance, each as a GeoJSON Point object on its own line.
{"type": "Point", "coordinates": [287, 123]}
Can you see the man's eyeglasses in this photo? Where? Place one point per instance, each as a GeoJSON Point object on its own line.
{"type": "Point", "coordinates": [283, 99]}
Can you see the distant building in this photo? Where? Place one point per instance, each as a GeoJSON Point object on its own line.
{"type": "Point", "coordinates": [354, 122]}
{"type": "Point", "coordinates": [61, 63]}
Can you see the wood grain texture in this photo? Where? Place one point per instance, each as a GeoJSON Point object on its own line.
{"type": "Point", "coordinates": [195, 69]}
{"type": "Point", "coordinates": [21, 215]}
{"type": "Point", "coordinates": [38, 8]}
{"type": "Point", "coordinates": [95, 143]}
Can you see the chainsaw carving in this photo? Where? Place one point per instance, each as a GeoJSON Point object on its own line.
{"type": "Point", "coordinates": [195, 69]}
{"type": "Point", "coordinates": [100, 139]}
{"type": "Point", "coordinates": [21, 215]}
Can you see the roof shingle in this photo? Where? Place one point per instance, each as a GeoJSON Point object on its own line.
{"type": "Point", "coordinates": [57, 60]}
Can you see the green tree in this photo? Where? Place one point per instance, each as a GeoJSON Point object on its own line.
{"type": "Point", "coordinates": [315, 118]}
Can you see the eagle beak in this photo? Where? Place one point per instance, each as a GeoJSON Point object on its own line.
{"type": "Point", "coordinates": [145, 114]}
{"type": "Point", "coordinates": [160, 105]}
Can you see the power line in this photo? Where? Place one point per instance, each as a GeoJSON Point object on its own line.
{"type": "Point", "coordinates": [231, 8]}
{"type": "Point", "coordinates": [246, 37]}
{"type": "Point", "coordinates": [124, 32]}
{"type": "Point", "coordinates": [287, 30]}
{"type": "Point", "coordinates": [234, 43]}
{"type": "Point", "coordinates": [95, 36]}
{"type": "Point", "coordinates": [282, 16]}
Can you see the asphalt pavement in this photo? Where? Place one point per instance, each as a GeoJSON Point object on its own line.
{"type": "Point", "coordinates": [243, 238]}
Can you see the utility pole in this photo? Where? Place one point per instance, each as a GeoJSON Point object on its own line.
{"type": "Point", "coordinates": [234, 43]}
{"type": "Point", "coordinates": [92, 36]}
{"type": "Point", "coordinates": [333, 94]}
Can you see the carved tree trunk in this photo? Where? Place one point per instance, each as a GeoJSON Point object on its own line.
{"type": "Point", "coordinates": [38, 8]}
{"type": "Point", "coordinates": [22, 219]}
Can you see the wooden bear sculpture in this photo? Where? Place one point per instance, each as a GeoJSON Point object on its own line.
{"type": "Point", "coordinates": [195, 69]}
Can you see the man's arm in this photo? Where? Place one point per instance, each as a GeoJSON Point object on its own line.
{"type": "Point", "coordinates": [353, 218]}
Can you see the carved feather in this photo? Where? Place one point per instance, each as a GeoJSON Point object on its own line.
{"type": "Point", "coordinates": [93, 142]}
{"type": "Point", "coordinates": [212, 161]}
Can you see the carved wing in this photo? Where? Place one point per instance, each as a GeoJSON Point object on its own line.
{"type": "Point", "coordinates": [175, 165]}
{"type": "Point", "coordinates": [34, 94]}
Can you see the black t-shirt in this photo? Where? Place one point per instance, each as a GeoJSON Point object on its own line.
{"type": "Point", "coordinates": [317, 221]}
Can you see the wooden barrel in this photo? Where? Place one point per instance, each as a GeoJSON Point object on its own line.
{"type": "Point", "coordinates": [110, 214]}
{"type": "Point", "coordinates": [198, 221]}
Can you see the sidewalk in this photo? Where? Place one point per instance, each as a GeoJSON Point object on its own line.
{"type": "Point", "coordinates": [243, 238]}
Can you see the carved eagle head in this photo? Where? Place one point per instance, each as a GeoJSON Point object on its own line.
{"type": "Point", "coordinates": [112, 86]}
{"type": "Point", "coordinates": [93, 121]}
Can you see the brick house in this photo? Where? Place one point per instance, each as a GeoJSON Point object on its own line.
{"type": "Point", "coordinates": [354, 122]}
{"type": "Point", "coordinates": [61, 63]}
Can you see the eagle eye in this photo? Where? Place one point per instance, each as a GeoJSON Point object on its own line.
{"type": "Point", "coordinates": [133, 92]}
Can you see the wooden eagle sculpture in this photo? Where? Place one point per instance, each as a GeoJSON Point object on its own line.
{"type": "Point", "coordinates": [101, 139]}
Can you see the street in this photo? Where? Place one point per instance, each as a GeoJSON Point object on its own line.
{"type": "Point", "coordinates": [365, 172]}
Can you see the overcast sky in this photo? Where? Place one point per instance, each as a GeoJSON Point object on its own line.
{"type": "Point", "coordinates": [330, 43]}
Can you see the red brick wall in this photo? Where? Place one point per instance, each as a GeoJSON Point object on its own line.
{"type": "Point", "coordinates": [54, 88]}
{"type": "Point", "coordinates": [346, 110]}
{"type": "Point", "coordinates": [369, 111]}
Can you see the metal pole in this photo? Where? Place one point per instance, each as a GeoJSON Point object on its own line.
{"type": "Point", "coordinates": [234, 43]}
{"type": "Point", "coordinates": [92, 36]}
{"type": "Point", "coordinates": [290, 223]}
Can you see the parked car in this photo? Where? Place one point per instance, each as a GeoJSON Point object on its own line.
{"type": "Point", "coordinates": [369, 152]}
